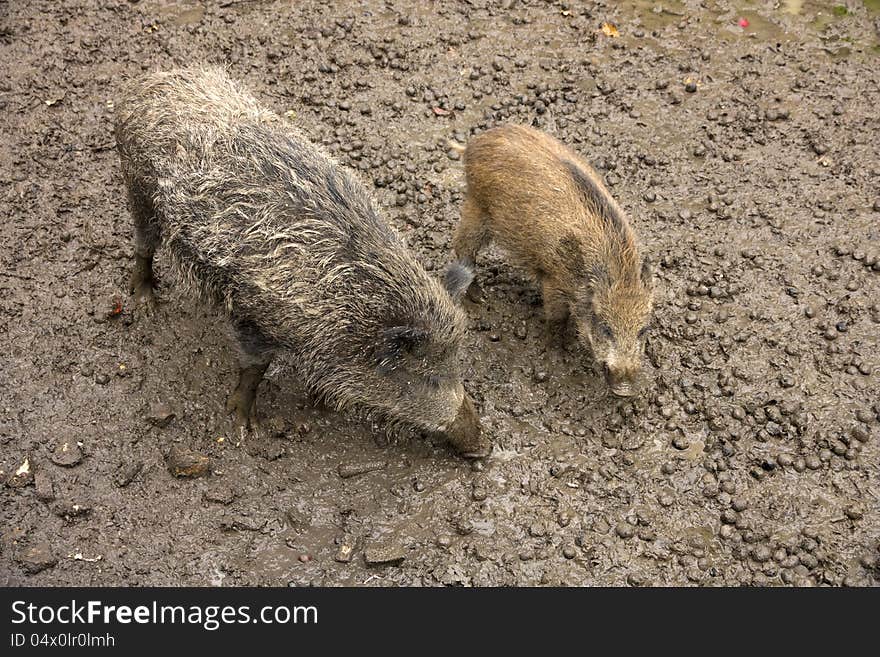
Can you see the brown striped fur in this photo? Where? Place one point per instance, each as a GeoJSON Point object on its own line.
{"type": "Point", "coordinates": [550, 211]}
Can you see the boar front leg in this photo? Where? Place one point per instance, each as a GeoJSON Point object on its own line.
{"type": "Point", "coordinates": [147, 235]}
{"type": "Point", "coordinates": [256, 354]}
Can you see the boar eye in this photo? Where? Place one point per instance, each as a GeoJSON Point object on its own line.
{"type": "Point", "coordinates": [644, 331]}
{"type": "Point", "coordinates": [605, 330]}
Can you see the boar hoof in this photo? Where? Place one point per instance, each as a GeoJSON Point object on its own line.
{"type": "Point", "coordinates": [144, 292]}
{"type": "Point", "coordinates": [480, 453]}
{"type": "Point", "coordinates": [145, 297]}
{"type": "Point", "coordinates": [475, 292]}
{"type": "Point", "coordinates": [142, 283]}
{"type": "Point", "coordinates": [470, 448]}
{"type": "Point", "coordinates": [242, 403]}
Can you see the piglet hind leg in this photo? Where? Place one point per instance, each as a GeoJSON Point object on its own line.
{"type": "Point", "coordinates": [471, 236]}
{"type": "Point", "coordinates": [256, 354]}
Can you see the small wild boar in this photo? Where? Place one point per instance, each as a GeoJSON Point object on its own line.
{"type": "Point", "coordinates": [292, 249]}
{"type": "Point", "coordinates": [548, 208]}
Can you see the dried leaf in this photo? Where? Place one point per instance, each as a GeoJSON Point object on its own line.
{"type": "Point", "coordinates": [610, 30]}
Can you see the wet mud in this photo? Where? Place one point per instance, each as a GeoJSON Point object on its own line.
{"type": "Point", "coordinates": [741, 138]}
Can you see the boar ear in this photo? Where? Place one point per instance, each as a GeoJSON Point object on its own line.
{"type": "Point", "coordinates": [457, 278]}
{"type": "Point", "coordinates": [647, 273]}
{"type": "Point", "coordinates": [397, 340]}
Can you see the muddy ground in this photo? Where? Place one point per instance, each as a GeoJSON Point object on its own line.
{"type": "Point", "coordinates": [747, 157]}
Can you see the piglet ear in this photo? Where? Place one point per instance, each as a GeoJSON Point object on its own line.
{"type": "Point", "coordinates": [457, 278]}
{"type": "Point", "coordinates": [647, 274]}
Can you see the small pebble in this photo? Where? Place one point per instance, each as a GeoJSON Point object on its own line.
{"type": "Point", "coordinates": [37, 558]}
{"type": "Point", "coordinates": [384, 555]}
{"type": "Point", "coordinates": [184, 462]}
{"type": "Point", "coordinates": [625, 530]}
{"type": "Point", "coordinates": [67, 454]}
{"type": "Point", "coordinates": [680, 442]}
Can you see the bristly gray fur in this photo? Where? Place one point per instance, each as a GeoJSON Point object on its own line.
{"type": "Point", "coordinates": [457, 278]}
{"type": "Point", "coordinates": [265, 224]}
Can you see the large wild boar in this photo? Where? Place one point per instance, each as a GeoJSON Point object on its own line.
{"type": "Point", "coordinates": [290, 246]}
{"type": "Point", "coordinates": [548, 208]}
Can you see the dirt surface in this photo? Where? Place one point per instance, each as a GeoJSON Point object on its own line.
{"type": "Point", "coordinates": [748, 158]}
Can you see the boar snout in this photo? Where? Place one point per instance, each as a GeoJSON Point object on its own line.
{"type": "Point", "coordinates": [622, 380]}
{"type": "Point", "coordinates": [465, 433]}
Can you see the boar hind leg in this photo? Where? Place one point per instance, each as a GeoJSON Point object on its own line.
{"type": "Point", "coordinates": [556, 313]}
{"type": "Point", "coordinates": [256, 354]}
{"type": "Point", "coordinates": [147, 235]}
{"type": "Point", "coordinates": [471, 237]}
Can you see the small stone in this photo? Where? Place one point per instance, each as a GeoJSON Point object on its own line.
{"type": "Point", "coordinates": [569, 552]}
{"type": "Point", "coordinates": [187, 463]}
{"type": "Point", "coordinates": [160, 415]}
{"type": "Point", "coordinates": [68, 509]}
{"type": "Point", "coordinates": [729, 517]}
{"type": "Point", "coordinates": [67, 454]}
{"type": "Point", "coordinates": [786, 381]}
{"type": "Point", "coordinates": [384, 555]}
{"type": "Point", "coordinates": [761, 553]}
{"type": "Point", "coordinates": [625, 530]}
{"type": "Point", "coordinates": [853, 513]}
{"type": "Point", "coordinates": [23, 475]}
{"type": "Point", "coordinates": [102, 379]}
{"type": "Point", "coordinates": [536, 529]}
{"type": "Point", "coordinates": [219, 493]}
{"type": "Point", "coordinates": [680, 442]}
{"type": "Point", "coordinates": [343, 554]}
{"type": "Point", "coordinates": [44, 487]}
{"type": "Point", "coordinates": [126, 472]}
{"type": "Point", "coordinates": [298, 518]}
{"type": "Point", "coordinates": [37, 558]}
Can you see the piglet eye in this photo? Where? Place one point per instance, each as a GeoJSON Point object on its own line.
{"type": "Point", "coordinates": [605, 330]}
{"type": "Point", "coordinates": [644, 331]}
